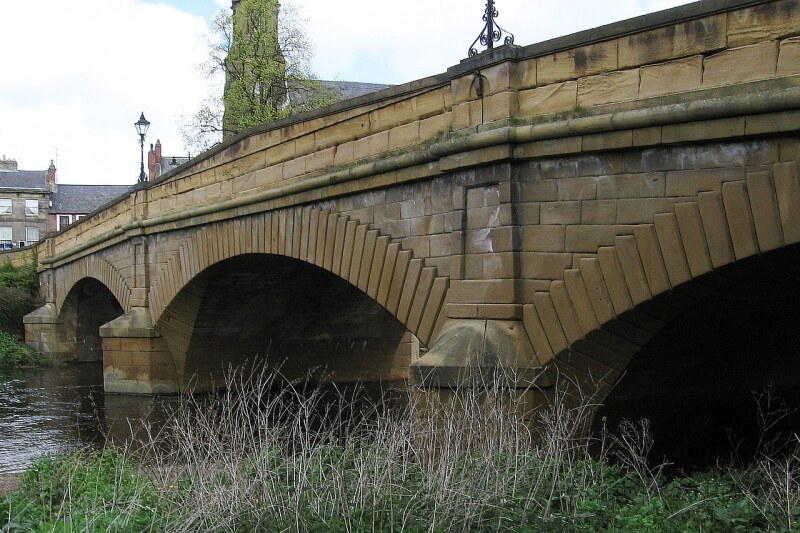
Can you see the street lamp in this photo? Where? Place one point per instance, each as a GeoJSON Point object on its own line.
{"type": "Point", "coordinates": [141, 128]}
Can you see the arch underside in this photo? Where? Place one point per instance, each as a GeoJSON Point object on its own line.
{"type": "Point", "coordinates": [95, 267]}
{"type": "Point", "coordinates": [88, 305]}
{"type": "Point", "coordinates": [645, 276]}
{"type": "Point", "coordinates": [297, 317]}
{"type": "Point", "coordinates": [728, 339]}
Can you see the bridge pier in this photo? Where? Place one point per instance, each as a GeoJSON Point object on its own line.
{"type": "Point", "coordinates": [44, 331]}
{"type": "Point", "coordinates": [136, 359]}
{"type": "Point", "coordinates": [472, 352]}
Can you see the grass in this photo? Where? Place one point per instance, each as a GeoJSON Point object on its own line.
{"type": "Point", "coordinates": [270, 455]}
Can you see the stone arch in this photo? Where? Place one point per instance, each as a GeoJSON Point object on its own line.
{"type": "Point", "coordinates": [349, 249]}
{"type": "Point", "coordinates": [574, 328]}
{"type": "Point", "coordinates": [92, 267]}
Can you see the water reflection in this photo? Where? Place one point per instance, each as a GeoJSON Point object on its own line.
{"type": "Point", "coordinates": [47, 410]}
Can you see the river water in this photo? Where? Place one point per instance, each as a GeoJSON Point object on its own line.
{"type": "Point", "coordinates": [52, 409]}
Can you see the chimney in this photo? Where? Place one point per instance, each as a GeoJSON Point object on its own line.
{"type": "Point", "coordinates": [51, 177]}
{"type": "Point", "coordinates": [8, 164]}
{"type": "Point", "coordinates": [151, 163]}
{"type": "Point", "coordinates": [154, 161]}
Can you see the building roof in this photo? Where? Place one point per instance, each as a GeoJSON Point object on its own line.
{"type": "Point", "coordinates": [354, 89]}
{"type": "Point", "coordinates": [85, 198]}
{"type": "Point", "coordinates": [172, 161]}
{"type": "Point", "coordinates": [23, 179]}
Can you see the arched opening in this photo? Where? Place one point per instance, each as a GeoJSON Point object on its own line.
{"type": "Point", "coordinates": [295, 314]}
{"type": "Point", "coordinates": [699, 379]}
{"type": "Point", "coordinates": [89, 305]}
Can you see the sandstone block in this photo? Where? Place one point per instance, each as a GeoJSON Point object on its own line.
{"type": "Point", "coordinates": [669, 238]}
{"type": "Point", "coordinates": [715, 225]}
{"type": "Point", "coordinates": [772, 20]}
{"type": "Point", "coordinates": [568, 145]}
{"type": "Point", "coordinates": [645, 185]}
{"type": "Point", "coordinates": [560, 213]}
{"type": "Point", "coordinates": [554, 98]}
{"type": "Point", "coordinates": [614, 279]}
{"type": "Point", "coordinates": [737, 65]}
{"type": "Point", "coordinates": [588, 238]}
{"type": "Point", "coordinates": [490, 240]}
{"type": "Point", "coordinates": [538, 191]}
{"type": "Point", "coordinates": [599, 212]}
{"type": "Point", "coordinates": [632, 268]}
{"type": "Point", "coordinates": [547, 238]}
{"type": "Point", "coordinates": [702, 131]}
{"type": "Point", "coordinates": [537, 334]}
{"type": "Point", "coordinates": [577, 189]}
{"type": "Point", "coordinates": [652, 260]}
{"type": "Point", "coordinates": [672, 77]}
{"type": "Point", "coordinates": [498, 266]}
{"type": "Point", "coordinates": [577, 291]}
{"type": "Point", "coordinates": [787, 188]}
{"type": "Point", "coordinates": [672, 42]}
{"type": "Point", "coordinates": [691, 182]}
{"type": "Point", "coordinates": [549, 317]}
{"type": "Point", "coordinates": [480, 291]}
{"type": "Point", "coordinates": [761, 192]}
{"type": "Point", "coordinates": [577, 62]}
{"type": "Point", "coordinates": [596, 289]}
{"type": "Point", "coordinates": [607, 141]}
{"type": "Point", "coordinates": [789, 57]}
{"type": "Point", "coordinates": [526, 74]}
{"type": "Point", "coordinates": [642, 210]}
{"type": "Point", "coordinates": [619, 86]}
{"type": "Point", "coordinates": [374, 144]}
{"type": "Point", "coordinates": [544, 265]}
{"type": "Point", "coordinates": [403, 136]}
{"type": "Point", "coordinates": [740, 219]}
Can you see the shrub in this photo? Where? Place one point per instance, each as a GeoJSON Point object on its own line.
{"type": "Point", "coordinates": [15, 353]}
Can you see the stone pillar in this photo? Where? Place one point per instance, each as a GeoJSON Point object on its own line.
{"type": "Point", "coordinates": [479, 352]}
{"type": "Point", "coordinates": [136, 359]}
{"type": "Point", "coordinates": [46, 332]}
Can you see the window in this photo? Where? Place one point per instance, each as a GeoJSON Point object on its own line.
{"type": "Point", "coordinates": [64, 221]}
{"type": "Point", "coordinates": [31, 208]}
{"type": "Point", "coordinates": [5, 206]}
{"type": "Point", "coordinates": [5, 237]}
{"type": "Point", "coordinates": [31, 234]}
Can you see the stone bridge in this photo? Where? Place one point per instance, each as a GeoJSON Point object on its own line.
{"type": "Point", "coordinates": [565, 207]}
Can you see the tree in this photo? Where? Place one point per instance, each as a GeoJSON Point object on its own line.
{"type": "Point", "coordinates": [264, 56]}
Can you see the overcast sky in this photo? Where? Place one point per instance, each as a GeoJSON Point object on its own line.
{"type": "Point", "coordinates": [74, 75]}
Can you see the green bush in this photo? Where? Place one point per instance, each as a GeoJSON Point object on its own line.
{"type": "Point", "coordinates": [23, 277]}
{"type": "Point", "coordinates": [18, 295]}
{"type": "Point", "coordinates": [15, 353]}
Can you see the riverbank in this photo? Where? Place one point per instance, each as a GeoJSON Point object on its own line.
{"type": "Point", "coordinates": [271, 455]}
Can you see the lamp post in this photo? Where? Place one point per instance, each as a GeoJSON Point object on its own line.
{"type": "Point", "coordinates": [141, 128]}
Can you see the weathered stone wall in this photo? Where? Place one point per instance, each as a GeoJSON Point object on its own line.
{"type": "Point", "coordinates": [590, 175]}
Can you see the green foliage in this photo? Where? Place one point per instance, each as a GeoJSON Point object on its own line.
{"type": "Point", "coordinates": [264, 55]}
{"type": "Point", "coordinates": [80, 491]}
{"type": "Point", "coordinates": [18, 292]}
{"type": "Point", "coordinates": [266, 68]}
{"type": "Point", "coordinates": [14, 353]}
{"type": "Point", "coordinates": [23, 277]}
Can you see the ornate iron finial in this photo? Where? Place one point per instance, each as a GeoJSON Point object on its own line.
{"type": "Point", "coordinates": [492, 32]}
